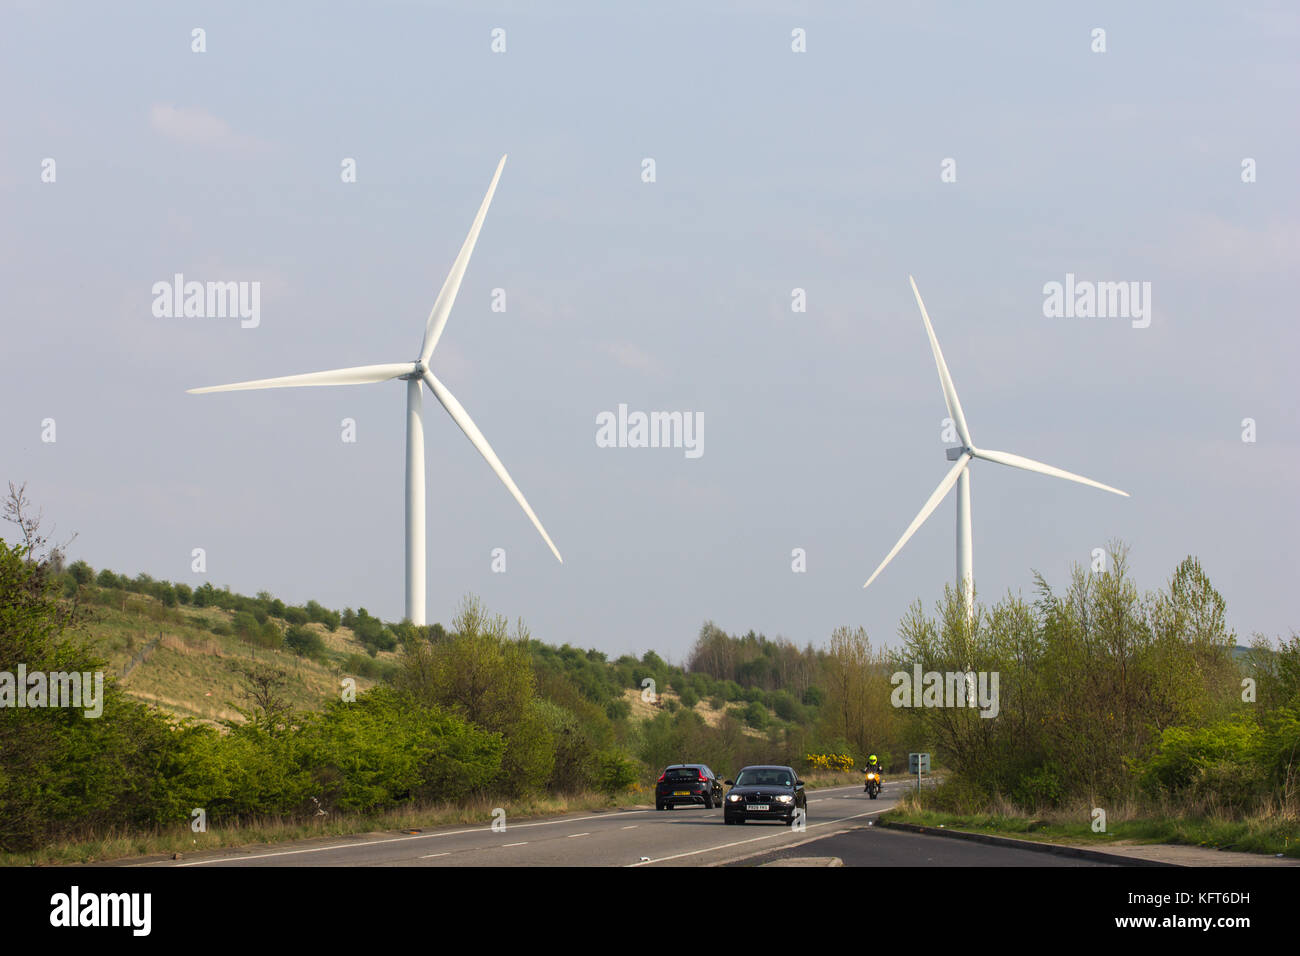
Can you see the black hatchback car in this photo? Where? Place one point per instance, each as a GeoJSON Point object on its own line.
{"type": "Point", "coordinates": [688, 783]}
{"type": "Point", "coordinates": [764, 793]}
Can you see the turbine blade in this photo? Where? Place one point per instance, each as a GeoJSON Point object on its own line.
{"type": "Point", "coordinates": [1028, 464]}
{"type": "Point", "coordinates": [447, 297]}
{"type": "Point", "coordinates": [359, 375]}
{"type": "Point", "coordinates": [945, 380]}
{"type": "Point", "coordinates": [945, 486]}
{"type": "Point", "coordinates": [461, 417]}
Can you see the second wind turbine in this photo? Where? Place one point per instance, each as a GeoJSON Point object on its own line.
{"type": "Point", "coordinates": [959, 475]}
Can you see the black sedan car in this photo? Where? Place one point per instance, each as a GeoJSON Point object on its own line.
{"type": "Point", "coordinates": [688, 783]}
{"type": "Point", "coordinates": [764, 793]}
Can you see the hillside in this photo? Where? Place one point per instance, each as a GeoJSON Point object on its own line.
{"type": "Point", "coordinates": [179, 658]}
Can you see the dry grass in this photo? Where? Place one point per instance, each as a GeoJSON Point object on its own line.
{"type": "Point", "coordinates": [188, 673]}
{"type": "Point", "coordinates": [1270, 829]}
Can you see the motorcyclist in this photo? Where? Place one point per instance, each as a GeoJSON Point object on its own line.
{"type": "Point", "coordinates": [873, 765]}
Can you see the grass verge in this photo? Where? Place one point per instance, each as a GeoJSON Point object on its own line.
{"type": "Point", "coordinates": [1264, 835]}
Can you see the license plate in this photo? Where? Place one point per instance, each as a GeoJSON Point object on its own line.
{"type": "Point", "coordinates": [757, 806]}
{"type": "Point", "coordinates": [681, 793]}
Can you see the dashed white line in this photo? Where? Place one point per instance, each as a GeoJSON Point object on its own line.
{"type": "Point", "coordinates": [432, 855]}
{"type": "Point", "coordinates": [572, 835]}
{"type": "Point", "coordinates": [418, 836]}
{"type": "Point", "coordinates": [504, 845]}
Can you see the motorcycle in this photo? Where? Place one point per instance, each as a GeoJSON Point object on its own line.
{"type": "Point", "coordinates": [873, 783]}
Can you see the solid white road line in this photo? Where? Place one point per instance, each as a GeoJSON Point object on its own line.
{"type": "Point", "coordinates": [414, 836]}
{"type": "Point", "coordinates": [782, 832]}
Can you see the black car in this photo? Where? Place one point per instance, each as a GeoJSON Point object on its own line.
{"type": "Point", "coordinates": [688, 783]}
{"type": "Point", "coordinates": [764, 793]}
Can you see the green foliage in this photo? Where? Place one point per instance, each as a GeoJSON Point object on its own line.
{"type": "Point", "coordinates": [371, 632]}
{"type": "Point", "coordinates": [385, 749]}
{"type": "Point", "coordinates": [484, 676]}
{"type": "Point", "coordinates": [304, 642]}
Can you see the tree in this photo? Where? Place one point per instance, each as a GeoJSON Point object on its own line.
{"type": "Point", "coordinates": [263, 691]}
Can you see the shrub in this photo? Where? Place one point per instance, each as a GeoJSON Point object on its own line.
{"type": "Point", "coordinates": [304, 641]}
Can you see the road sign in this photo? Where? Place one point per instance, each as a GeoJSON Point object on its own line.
{"type": "Point", "coordinates": [918, 763]}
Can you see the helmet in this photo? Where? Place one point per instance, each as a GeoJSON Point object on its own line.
{"type": "Point", "coordinates": [872, 760]}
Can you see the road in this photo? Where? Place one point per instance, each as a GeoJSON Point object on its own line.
{"type": "Point", "coordinates": [640, 837]}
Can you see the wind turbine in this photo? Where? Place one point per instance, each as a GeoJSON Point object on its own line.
{"type": "Point", "coordinates": [414, 373]}
{"type": "Point", "coordinates": [959, 475]}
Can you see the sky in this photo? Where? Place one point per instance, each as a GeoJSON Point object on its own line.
{"type": "Point", "coordinates": [986, 152]}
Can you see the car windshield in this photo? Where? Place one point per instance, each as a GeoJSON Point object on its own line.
{"type": "Point", "coordinates": [764, 778]}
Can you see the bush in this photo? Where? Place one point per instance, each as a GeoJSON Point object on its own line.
{"type": "Point", "coordinates": [81, 572]}
{"type": "Point", "coordinates": [618, 709]}
{"type": "Point", "coordinates": [615, 772]}
{"type": "Point", "coordinates": [304, 642]}
{"type": "Point", "coordinates": [268, 635]}
{"type": "Point", "coordinates": [362, 666]}
{"type": "Point", "coordinates": [385, 749]}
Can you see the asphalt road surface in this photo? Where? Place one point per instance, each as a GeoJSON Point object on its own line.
{"type": "Point", "coordinates": [880, 847]}
{"type": "Point", "coordinates": [644, 837]}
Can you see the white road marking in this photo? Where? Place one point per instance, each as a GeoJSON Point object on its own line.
{"type": "Point", "coordinates": [782, 832]}
{"type": "Point", "coordinates": [417, 836]}
{"type": "Point", "coordinates": [572, 835]}
{"type": "Point", "coordinates": [504, 845]}
{"type": "Point", "coordinates": [432, 855]}
{"type": "Point", "coordinates": [632, 827]}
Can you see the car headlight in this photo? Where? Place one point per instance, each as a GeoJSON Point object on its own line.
{"type": "Point", "coordinates": [733, 797]}
{"type": "Point", "coordinates": [785, 798]}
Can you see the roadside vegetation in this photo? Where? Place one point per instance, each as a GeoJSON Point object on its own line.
{"type": "Point", "coordinates": [1122, 716]}
{"type": "Point", "coordinates": [280, 721]}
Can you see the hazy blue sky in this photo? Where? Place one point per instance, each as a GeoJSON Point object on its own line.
{"type": "Point", "coordinates": [775, 170]}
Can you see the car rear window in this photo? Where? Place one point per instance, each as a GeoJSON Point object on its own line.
{"type": "Point", "coordinates": [682, 773]}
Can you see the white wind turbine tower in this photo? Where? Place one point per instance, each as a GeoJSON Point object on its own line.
{"type": "Point", "coordinates": [413, 373]}
{"type": "Point", "coordinates": [960, 476]}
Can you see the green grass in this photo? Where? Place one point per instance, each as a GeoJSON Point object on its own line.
{"type": "Point", "coordinates": [1267, 835]}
